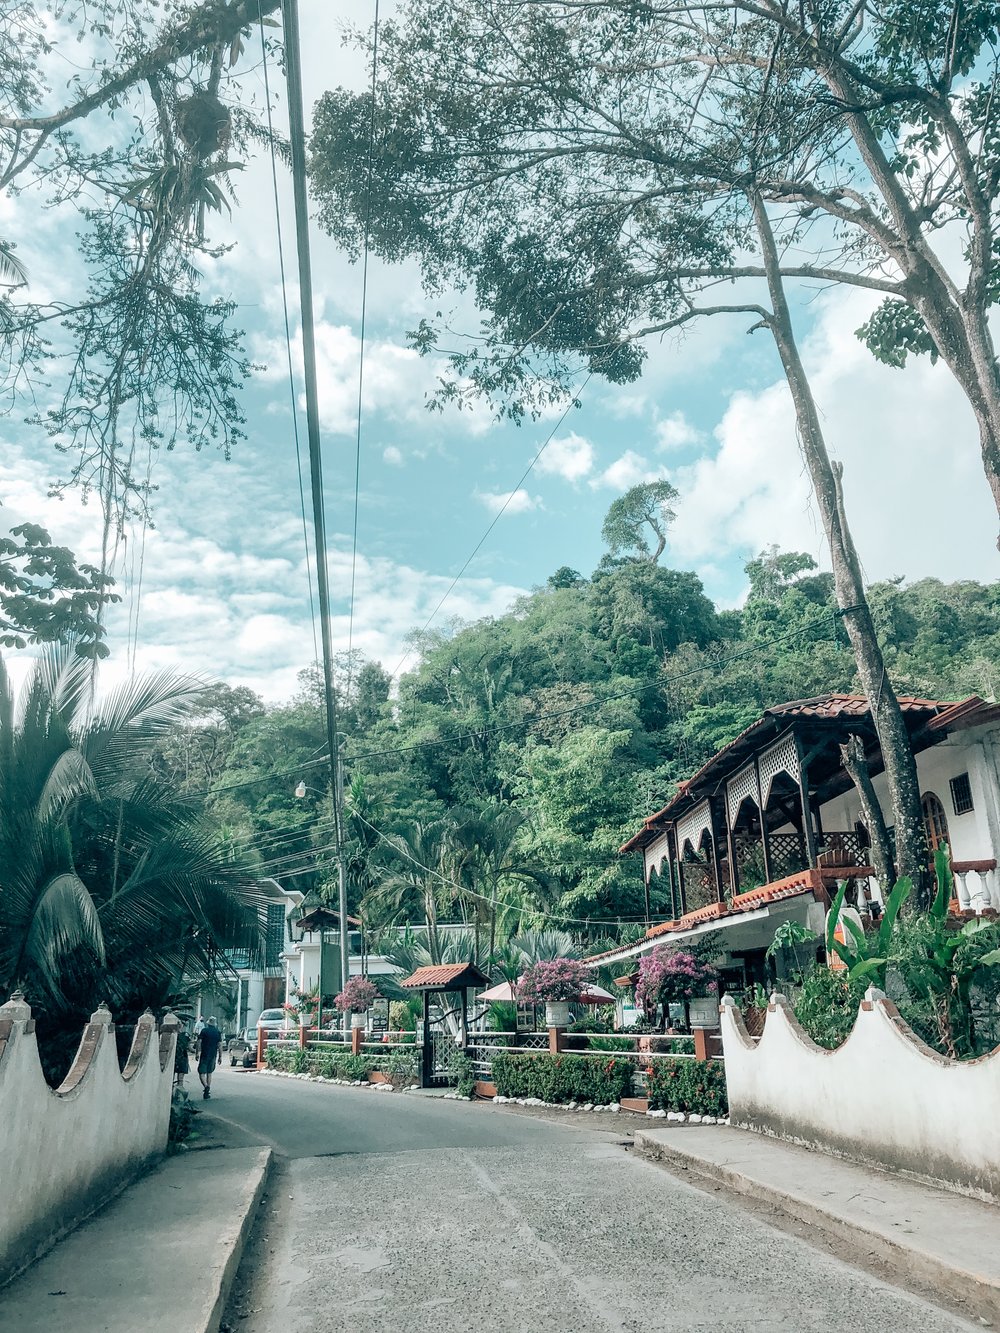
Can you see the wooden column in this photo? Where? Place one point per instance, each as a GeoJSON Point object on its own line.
{"type": "Point", "coordinates": [357, 1036]}
{"type": "Point", "coordinates": [765, 848]}
{"type": "Point", "coordinates": [427, 1057]}
{"type": "Point", "coordinates": [734, 874]}
{"type": "Point", "coordinates": [808, 828]}
{"type": "Point", "coordinates": [713, 810]}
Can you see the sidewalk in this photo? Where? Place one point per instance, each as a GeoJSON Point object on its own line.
{"type": "Point", "coordinates": [159, 1258]}
{"type": "Point", "coordinates": [933, 1237]}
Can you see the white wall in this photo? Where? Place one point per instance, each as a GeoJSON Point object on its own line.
{"type": "Point", "coordinates": [883, 1097]}
{"type": "Point", "coordinates": [64, 1152]}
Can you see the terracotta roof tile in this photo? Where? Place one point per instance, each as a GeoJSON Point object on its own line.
{"type": "Point", "coordinates": [439, 976]}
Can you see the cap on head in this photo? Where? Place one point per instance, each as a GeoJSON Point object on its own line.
{"type": "Point", "coordinates": [212, 1020]}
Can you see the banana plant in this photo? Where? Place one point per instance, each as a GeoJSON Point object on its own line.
{"type": "Point", "coordinates": [866, 956]}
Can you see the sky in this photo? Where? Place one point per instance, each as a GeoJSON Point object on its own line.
{"type": "Point", "coordinates": [219, 585]}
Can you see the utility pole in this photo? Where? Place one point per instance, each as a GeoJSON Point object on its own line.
{"type": "Point", "coordinates": [297, 139]}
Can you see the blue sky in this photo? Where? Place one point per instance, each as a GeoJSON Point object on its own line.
{"type": "Point", "coordinates": [224, 588]}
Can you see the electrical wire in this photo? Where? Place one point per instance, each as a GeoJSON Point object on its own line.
{"type": "Point", "coordinates": [661, 682]}
{"type": "Point", "coordinates": [288, 333]}
{"type": "Point", "coordinates": [496, 519]}
{"type": "Point", "coordinates": [361, 355]}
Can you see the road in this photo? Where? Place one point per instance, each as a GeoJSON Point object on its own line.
{"type": "Point", "coordinates": [392, 1211]}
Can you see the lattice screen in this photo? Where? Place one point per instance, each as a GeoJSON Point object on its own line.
{"type": "Point", "coordinates": [744, 784]}
{"type": "Point", "coordinates": [780, 758]}
{"type": "Point", "coordinates": [655, 854]}
{"type": "Point", "coordinates": [692, 827]}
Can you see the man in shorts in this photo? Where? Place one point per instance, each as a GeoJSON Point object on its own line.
{"type": "Point", "coordinates": [208, 1052]}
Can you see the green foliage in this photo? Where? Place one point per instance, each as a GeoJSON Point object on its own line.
{"type": "Point", "coordinates": [181, 1126]}
{"type": "Point", "coordinates": [46, 597]}
{"type": "Point", "coordinates": [828, 1005]}
{"type": "Point", "coordinates": [646, 505]}
{"type": "Point", "coordinates": [866, 956]}
{"type": "Point", "coordinates": [462, 1072]}
{"type": "Point", "coordinates": [697, 1087]}
{"type": "Point", "coordinates": [610, 1043]}
{"type": "Point", "coordinates": [563, 1078]}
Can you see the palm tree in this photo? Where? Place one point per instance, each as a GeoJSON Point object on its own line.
{"type": "Point", "coordinates": [110, 885]}
{"type": "Point", "coordinates": [490, 859]}
{"type": "Point", "coordinates": [418, 878]}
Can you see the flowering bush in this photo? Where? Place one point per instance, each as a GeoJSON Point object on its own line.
{"type": "Point", "coordinates": [671, 976]}
{"type": "Point", "coordinates": [357, 996]}
{"type": "Point", "coordinates": [554, 980]}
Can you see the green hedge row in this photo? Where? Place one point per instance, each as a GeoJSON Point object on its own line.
{"type": "Point", "coordinates": [695, 1086]}
{"type": "Point", "coordinates": [563, 1078]}
{"type": "Point", "coordinates": [331, 1063]}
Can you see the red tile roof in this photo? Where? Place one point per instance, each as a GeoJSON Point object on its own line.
{"type": "Point", "coordinates": [445, 976]}
{"type": "Point", "coordinates": [823, 707]}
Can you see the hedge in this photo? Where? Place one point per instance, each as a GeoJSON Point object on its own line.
{"type": "Point", "coordinates": [695, 1086]}
{"type": "Point", "coordinates": [328, 1062]}
{"type": "Point", "coordinates": [563, 1078]}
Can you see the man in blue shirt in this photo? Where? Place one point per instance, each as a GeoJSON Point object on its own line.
{"type": "Point", "coordinates": [209, 1042]}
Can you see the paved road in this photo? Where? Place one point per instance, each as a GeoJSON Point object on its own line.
{"type": "Point", "coordinates": [400, 1212]}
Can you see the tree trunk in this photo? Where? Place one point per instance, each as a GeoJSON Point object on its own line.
{"type": "Point", "coordinates": [897, 755]}
{"type": "Point", "coordinates": [853, 756]}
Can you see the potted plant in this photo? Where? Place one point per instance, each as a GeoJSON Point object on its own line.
{"type": "Point", "coordinates": [675, 976]}
{"type": "Point", "coordinates": [356, 999]}
{"type": "Point", "coordinates": [555, 982]}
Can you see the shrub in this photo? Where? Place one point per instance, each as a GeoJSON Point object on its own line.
{"type": "Point", "coordinates": [563, 1078]}
{"type": "Point", "coordinates": [402, 1066]}
{"type": "Point", "coordinates": [598, 1043]}
{"type": "Point", "coordinates": [671, 976]}
{"type": "Point", "coordinates": [828, 1005]}
{"type": "Point", "coordinates": [182, 1115]}
{"type": "Point", "coordinates": [695, 1086]}
{"type": "Point", "coordinates": [463, 1071]}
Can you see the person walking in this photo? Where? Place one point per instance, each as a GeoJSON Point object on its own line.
{"type": "Point", "coordinates": [209, 1042]}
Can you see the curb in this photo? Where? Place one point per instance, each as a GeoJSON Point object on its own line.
{"type": "Point", "coordinates": [968, 1290]}
{"type": "Point", "coordinates": [222, 1278]}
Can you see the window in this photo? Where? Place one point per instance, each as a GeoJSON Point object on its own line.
{"type": "Point", "coordinates": [935, 820]}
{"type": "Point", "coordinates": [961, 794]}
{"type": "Point", "coordinates": [274, 940]}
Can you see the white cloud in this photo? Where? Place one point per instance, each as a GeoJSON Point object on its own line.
{"type": "Point", "coordinates": [628, 470]}
{"type": "Point", "coordinates": [915, 493]}
{"type": "Point", "coordinates": [675, 432]}
{"type": "Point", "coordinates": [570, 457]}
{"type": "Point", "coordinates": [511, 502]}
{"type": "Point", "coordinates": [392, 456]}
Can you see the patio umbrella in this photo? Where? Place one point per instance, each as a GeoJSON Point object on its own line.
{"type": "Point", "coordinates": [504, 992]}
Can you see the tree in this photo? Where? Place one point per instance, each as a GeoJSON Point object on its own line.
{"type": "Point", "coordinates": [110, 886]}
{"type": "Point", "coordinates": [649, 504]}
{"type": "Point", "coordinates": [46, 597]}
{"type": "Point", "coordinates": [130, 357]}
{"type": "Point", "coordinates": [772, 572]}
{"type": "Point", "coordinates": [566, 166]}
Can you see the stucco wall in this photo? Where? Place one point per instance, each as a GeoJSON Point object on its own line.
{"type": "Point", "coordinates": [883, 1097]}
{"type": "Point", "coordinates": [64, 1152]}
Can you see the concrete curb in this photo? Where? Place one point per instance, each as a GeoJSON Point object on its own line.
{"type": "Point", "coordinates": [221, 1277]}
{"type": "Point", "coordinates": [970, 1290]}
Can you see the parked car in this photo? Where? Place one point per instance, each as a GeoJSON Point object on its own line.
{"type": "Point", "coordinates": [275, 1020]}
{"type": "Point", "coordinates": [242, 1047]}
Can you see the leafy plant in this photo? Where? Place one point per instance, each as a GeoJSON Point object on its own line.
{"type": "Point", "coordinates": [463, 1071]}
{"type": "Point", "coordinates": [181, 1126]}
{"type": "Point", "coordinates": [790, 935]}
{"type": "Point", "coordinates": [828, 1006]}
{"type": "Point", "coordinates": [671, 976]}
{"type": "Point", "coordinates": [866, 956]}
{"type": "Point", "coordinates": [695, 1086]}
{"type": "Point", "coordinates": [402, 1066]}
{"type": "Point", "coordinates": [563, 1078]}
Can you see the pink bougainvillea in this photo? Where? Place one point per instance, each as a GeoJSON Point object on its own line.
{"type": "Point", "coordinates": [671, 976]}
{"type": "Point", "coordinates": [553, 980]}
{"type": "Point", "coordinates": [357, 996]}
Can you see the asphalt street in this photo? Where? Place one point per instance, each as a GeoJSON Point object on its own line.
{"type": "Point", "coordinates": [393, 1211]}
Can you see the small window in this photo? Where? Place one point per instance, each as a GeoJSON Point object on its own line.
{"type": "Point", "coordinates": [961, 794]}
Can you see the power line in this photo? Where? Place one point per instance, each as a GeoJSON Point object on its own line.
{"type": "Point", "coordinates": [661, 682]}
{"type": "Point", "coordinates": [497, 517]}
{"type": "Point", "coordinates": [288, 331]}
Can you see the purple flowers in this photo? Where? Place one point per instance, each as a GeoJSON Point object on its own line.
{"type": "Point", "coordinates": [553, 980]}
{"type": "Point", "coordinates": [671, 976]}
{"type": "Point", "coordinates": [357, 996]}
